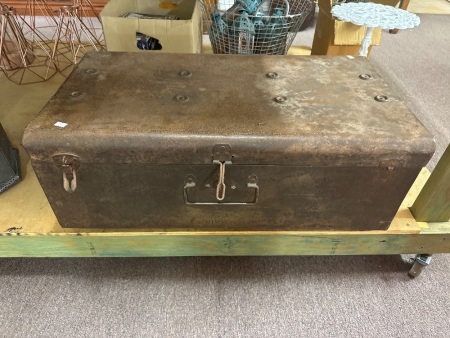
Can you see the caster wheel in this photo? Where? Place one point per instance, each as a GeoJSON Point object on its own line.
{"type": "Point", "coordinates": [415, 270]}
{"type": "Point", "coordinates": [419, 264]}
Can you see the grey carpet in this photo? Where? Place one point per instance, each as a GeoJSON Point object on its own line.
{"type": "Point", "coordinates": [361, 296]}
{"type": "Point", "coordinates": [417, 62]}
{"type": "Point", "coordinates": [366, 296]}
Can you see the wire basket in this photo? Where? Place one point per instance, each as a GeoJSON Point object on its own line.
{"type": "Point", "coordinates": [254, 26]}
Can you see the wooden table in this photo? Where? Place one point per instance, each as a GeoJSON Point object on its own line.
{"type": "Point", "coordinates": [371, 15]}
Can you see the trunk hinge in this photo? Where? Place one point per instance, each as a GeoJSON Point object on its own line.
{"type": "Point", "coordinates": [221, 156]}
{"type": "Point", "coordinates": [68, 165]}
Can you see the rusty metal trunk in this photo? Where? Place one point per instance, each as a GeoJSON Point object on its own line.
{"type": "Point", "coordinates": [178, 141]}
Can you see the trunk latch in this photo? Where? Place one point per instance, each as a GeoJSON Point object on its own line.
{"type": "Point", "coordinates": [68, 165]}
{"type": "Point", "coordinates": [221, 156]}
{"type": "Point", "coordinates": [241, 193]}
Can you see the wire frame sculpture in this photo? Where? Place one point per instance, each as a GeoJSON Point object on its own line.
{"type": "Point", "coordinates": [73, 38]}
{"type": "Point", "coordinates": [43, 18]}
{"type": "Point", "coordinates": [254, 26]}
{"type": "Point", "coordinates": [21, 61]}
{"type": "Point", "coordinates": [91, 19]}
{"type": "Point", "coordinates": [40, 20]}
{"type": "Point", "coordinates": [72, 29]}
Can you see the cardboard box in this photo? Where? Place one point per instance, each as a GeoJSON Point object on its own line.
{"type": "Point", "coordinates": [175, 36]}
{"type": "Point", "coordinates": [333, 37]}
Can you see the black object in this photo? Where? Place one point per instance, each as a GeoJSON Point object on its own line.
{"type": "Point", "coordinates": [9, 163]}
{"type": "Point", "coordinates": [133, 15]}
{"type": "Point", "coordinates": [146, 42]}
{"type": "Point", "coordinates": [309, 20]}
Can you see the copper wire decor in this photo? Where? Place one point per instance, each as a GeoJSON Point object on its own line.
{"type": "Point", "coordinates": [41, 42]}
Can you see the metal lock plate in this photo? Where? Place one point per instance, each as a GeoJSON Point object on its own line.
{"type": "Point", "coordinates": [222, 153]}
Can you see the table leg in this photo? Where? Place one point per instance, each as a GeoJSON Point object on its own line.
{"type": "Point", "coordinates": [366, 42]}
{"type": "Point", "coordinates": [403, 4]}
{"type": "Point", "coordinates": [433, 202]}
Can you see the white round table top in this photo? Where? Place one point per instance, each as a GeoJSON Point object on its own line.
{"type": "Point", "coordinates": [370, 14]}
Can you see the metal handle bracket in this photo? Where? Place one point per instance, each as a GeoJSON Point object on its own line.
{"type": "Point", "coordinates": [68, 164]}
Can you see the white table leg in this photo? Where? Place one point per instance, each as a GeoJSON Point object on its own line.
{"type": "Point", "coordinates": [366, 42]}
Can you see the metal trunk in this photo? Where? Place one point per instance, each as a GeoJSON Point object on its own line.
{"type": "Point", "coordinates": [226, 142]}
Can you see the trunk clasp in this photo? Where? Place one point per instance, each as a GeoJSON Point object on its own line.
{"type": "Point", "coordinates": [221, 156]}
{"type": "Point", "coordinates": [69, 165]}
